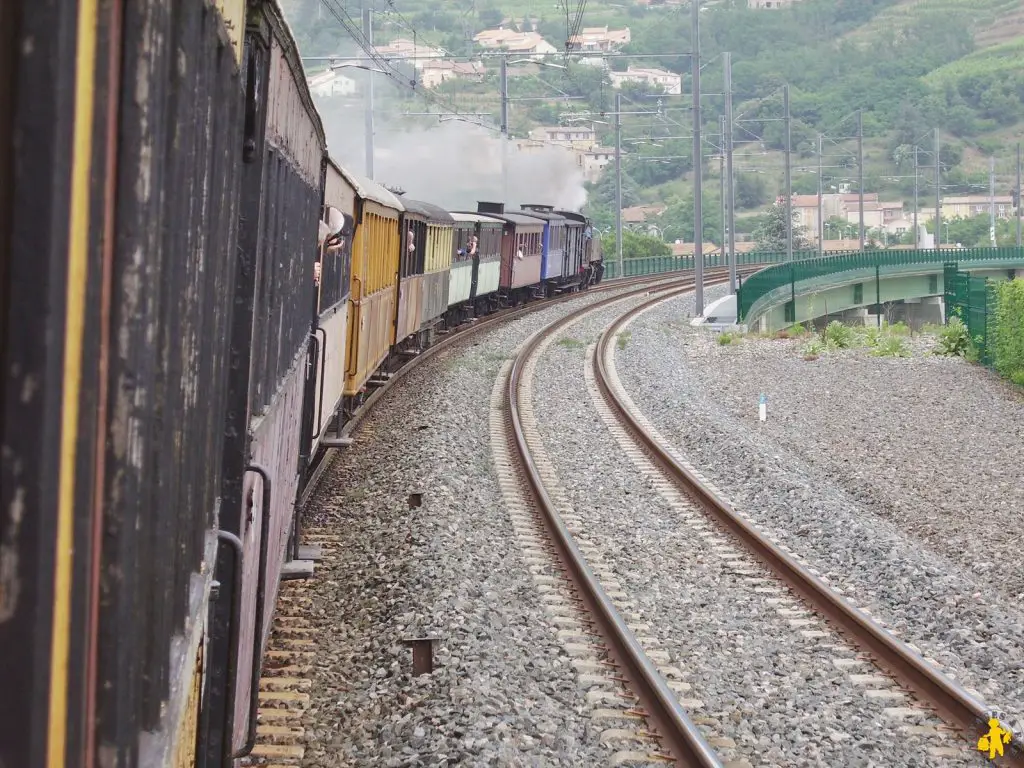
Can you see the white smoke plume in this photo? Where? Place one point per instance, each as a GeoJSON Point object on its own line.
{"type": "Point", "coordinates": [453, 164]}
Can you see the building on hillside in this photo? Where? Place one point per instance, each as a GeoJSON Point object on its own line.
{"type": "Point", "coordinates": [401, 48]}
{"type": "Point", "coordinates": [594, 160]}
{"type": "Point", "coordinates": [680, 248]}
{"type": "Point", "coordinates": [433, 73]}
{"type": "Point", "coordinates": [638, 214]}
{"type": "Point", "coordinates": [671, 83]}
{"type": "Point", "coordinates": [770, 4]}
{"type": "Point", "coordinates": [976, 205]}
{"type": "Point", "coordinates": [878, 214]}
{"type": "Point", "coordinates": [900, 226]}
{"type": "Point", "coordinates": [531, 146]}
{"type": "Point", "coordinates": [579, 137]}
{"type": "Point", "coordinates": [330, 83]}
{"type": "Point", "coordinates": [594, 39]}
{"type": "Point", "coordinates": [528, 44]}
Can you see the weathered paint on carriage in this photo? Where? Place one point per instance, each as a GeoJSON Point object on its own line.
{"type": "Point", "coordinates": [232, 13]}
{"type": "Point", "coordinates": [275, 442]}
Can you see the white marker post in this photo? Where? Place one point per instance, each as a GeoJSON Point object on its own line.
{"type": "Point", "coordinates": [762, 408]}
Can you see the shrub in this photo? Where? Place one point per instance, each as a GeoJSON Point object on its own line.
{"type": "Point", "coordinates": [725, 339]}
{"type": "Point", "coordinates": [872, 335]}
{"type": "Point", "coordinates": [1007, 341]}
{"type": "Point", "coordinates": [954, 340]}
{"type": "Point", "coordinates": [840, 336]}
{"type": "Point", "coordinates": [891, 346]}
{"type": "Point", "coordinates": [813, 349]}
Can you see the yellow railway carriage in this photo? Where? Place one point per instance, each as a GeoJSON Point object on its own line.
{"type": "Point", "coordinates": [438, 262]}
{"type": "Point", "coordinates": [374, 298]}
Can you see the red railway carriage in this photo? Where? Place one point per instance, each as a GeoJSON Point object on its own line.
{"type": "Point", "coordinates": [521, 249]}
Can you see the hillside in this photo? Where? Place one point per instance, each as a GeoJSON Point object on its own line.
{"type": "Point", "coordinates": [910, 66]}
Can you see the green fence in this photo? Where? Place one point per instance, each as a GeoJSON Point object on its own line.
{"type": "Point", "coordinates": [972, 299]}
{"type": "Point", "coordinates": [660, 264]}
{"type": "Point", "coordinates": [788, 274]}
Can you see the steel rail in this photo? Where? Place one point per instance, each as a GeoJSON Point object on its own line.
{"type": "Point", "coordinates": [670, 722]}
{"type": "Point", "coordinates": [952, 702]}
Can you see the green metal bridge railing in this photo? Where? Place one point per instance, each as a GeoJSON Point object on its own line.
{"type": "Point", "coordinates": [781, 275]}
{"type": "Point", "coordinates": [659, 264]}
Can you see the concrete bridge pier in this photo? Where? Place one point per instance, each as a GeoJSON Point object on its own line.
{"type": "Point", "coordinates": [927, 310]}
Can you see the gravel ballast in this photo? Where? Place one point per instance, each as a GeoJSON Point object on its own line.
{"type": "Point", "coordinates": [768, 695]}
{"type": "Point", "coordinates": [898, 478]}
{"type": "Point", "coordinates": [503, 691]}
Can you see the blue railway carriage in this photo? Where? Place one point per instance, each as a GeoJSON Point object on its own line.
{"type": "Point", "coordinates": [476, 266]}
{"type": "Point", "coordinates": [577, 248]}
{"type": "Point", "coordinates": [552, 265]}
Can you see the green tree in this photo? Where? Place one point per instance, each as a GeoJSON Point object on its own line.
{"type": "Point", "coordinates": [602, 192]}
{"type": "Point", "coordinates": [491, 17]}
{"type": "Point", "coordinates": [634, 246]}
{"type": "Point", "coordinates": [750, 191]}
{"type": "Point", "coordinates": [677, 220]}
{"type": "Point", "coordinates": [771, 235]}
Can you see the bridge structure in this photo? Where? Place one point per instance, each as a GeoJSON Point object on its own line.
{"type": "Point", "coordinates": [850, 285]}
{"type": "Point", "coordinates": [855, 285]}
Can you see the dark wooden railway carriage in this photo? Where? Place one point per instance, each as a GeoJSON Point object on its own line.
{"type": "Point", "coordinates": [118, 273]}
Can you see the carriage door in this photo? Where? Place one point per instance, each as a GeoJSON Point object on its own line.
{"type": "Point", "coordinates": [478, 230]}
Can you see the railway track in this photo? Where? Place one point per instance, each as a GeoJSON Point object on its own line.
{"type": "Point", "coordinates": [455, 336]}
{"type": "Point", "coordinates": [290, 658]}
{"type": "Point", "coordinates": [624, 667]}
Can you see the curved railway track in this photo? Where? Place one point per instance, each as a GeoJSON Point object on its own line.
{"type": "Point", "coordinates": [656, 701]}
{"type": "Point", "coordinates": [288, 665]}
{"type": "Point", "coordinates": [897, 658]}
{"type": "Point", "coordinates": [457, 335]}
{"type": "Point", "coordinates": [652, 695]}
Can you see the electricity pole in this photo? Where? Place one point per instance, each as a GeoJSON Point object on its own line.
{"type": "Point", "coordinates": [789, 175]}
{"type": "Point", "coordinates": [731, 225]}
{"type": "Point", "coordinates": [821, 197]}
{"type": "Point", "coordinates": [992, 200]}
{"type": "Point", "coordinates": [368, 34]}
{"type": "Point", "coordinates": [503, 85]}
{"type": "Point", "coordinates": [938, 194]}
{"type": "Point", "coordinates": [618, 179]}
{"type": "Point", "coordinates": [917, 238]}
{"type": "Point", "coordinates": [860, 172]}
{"type": "Point", "coordinates": [721, 176]}
{"type": "Point", "coordinates": [698, 220]}
{"type": "Point", "coordinates": [1018, 195]}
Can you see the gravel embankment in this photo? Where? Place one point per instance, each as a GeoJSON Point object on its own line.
{"type": "Point", "coordinates": [898, 478]}
{"type": "Point", "coordinates": [503, 691]}
{"type": "Point", "coordinates": [775, 694]}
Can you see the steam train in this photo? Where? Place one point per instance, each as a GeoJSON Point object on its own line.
{"type": "Point", "coordinates": [193, 292]}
